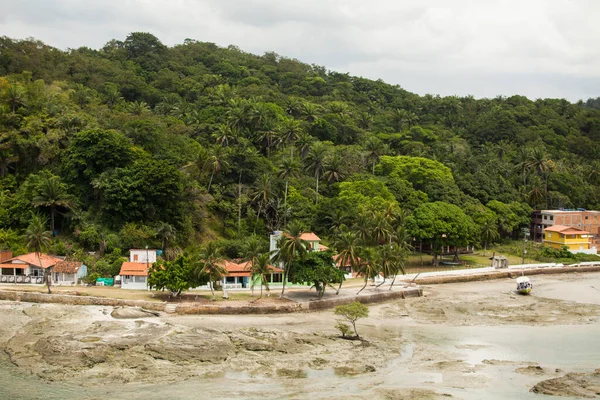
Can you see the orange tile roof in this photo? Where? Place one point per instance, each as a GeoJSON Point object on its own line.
{"type": "Point", "coordinates": [134, 268]}
{"type": "Point", "coordinates": [566, 230]}
{"type": "Point", "coordinates": [274, 270]}
{"type": "Point", "coordinates": [33, 259]}
{"type": "Point", "coordinates": [322, 247]}
{"type": "Point", "coordinates": [310, 237]}
{"type": "Point", "coordinates": [67, 267]}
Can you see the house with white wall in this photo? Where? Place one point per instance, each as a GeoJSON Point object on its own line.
{"type": "Point", "coordinates": [143, 255]}
{"type": "Point", "coordinates": [27, 268]}
{"type": "Point", "coordinates": [68, 273]}
{"type": "Point", "coordinates": [134, 275]}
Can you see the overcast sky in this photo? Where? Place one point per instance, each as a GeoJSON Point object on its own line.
{"type": "Point", "coordinates": [538, 48]}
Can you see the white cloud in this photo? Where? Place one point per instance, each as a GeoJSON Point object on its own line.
{"type": "Point", "coordinates": [535, 47]}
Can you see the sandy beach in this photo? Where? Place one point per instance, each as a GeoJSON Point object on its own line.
{"type": "Point", "coordinates": [463, 340]}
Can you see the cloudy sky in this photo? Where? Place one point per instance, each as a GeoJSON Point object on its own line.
{"type": "Point", "coordinates": [538, 48]}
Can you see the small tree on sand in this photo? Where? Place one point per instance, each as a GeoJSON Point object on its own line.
{"type": "Point", "coordinates": [351, 312]}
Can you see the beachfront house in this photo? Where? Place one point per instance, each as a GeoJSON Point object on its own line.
{"type": "Point", "coordinates": [134, 275]}
{"type": "Point", "coordinates": [27, 268]}
{"type": "Point", "coordinates": [68, 273]}
{"type": "Point", "coordinates": [574, 239]}
{"type": "Point", "coordinates": [587, 220]}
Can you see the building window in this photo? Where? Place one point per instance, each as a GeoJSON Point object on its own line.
{"type": "Point", "coordinates": [276, 278]}
{"type": "Point", "coordinates": [549, 235]}
{"type": "Point", "coordinates": [551, 218]}
{"type": "Point", "coordinates": [140, 279]}
{"type": "Point", "coordinates": [135, 257]}
{"type": "Point", "coordinates": [586, 217]}
{"type": "Point", "coordinates": [545, 217]}
{"type": "Point", "coordinates": [230, 279]}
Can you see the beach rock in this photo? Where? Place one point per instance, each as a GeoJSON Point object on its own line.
{"type": "Point", "coordinates": [573, 385]}
{"type": "Point", "coordinates": [132, 312]}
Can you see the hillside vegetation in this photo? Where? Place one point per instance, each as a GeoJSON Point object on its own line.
{"type": "Point", "coordinates": [139, 144]}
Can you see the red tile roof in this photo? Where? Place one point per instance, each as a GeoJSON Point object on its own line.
{"type": "Point", "coordinates": [134, 268]}
{"type": "Point", "coordinates": [33, 259]}
{"type": "Point", "coordinates": [274, 270]}
{"type": "Point", "coordinates": [566, 230]}
{"type": "Point", "coordinates": [322, 247]}
{"type": "Point", "coordinates": [67, 267]}
{"type": "Point", "coordinates": [310, 237]}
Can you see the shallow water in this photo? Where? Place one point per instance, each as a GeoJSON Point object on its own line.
{"type": "Point", "coordinates": [571, 348]}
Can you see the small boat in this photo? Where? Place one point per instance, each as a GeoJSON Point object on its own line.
{"type": "Point", "coordinates": [523, 285]}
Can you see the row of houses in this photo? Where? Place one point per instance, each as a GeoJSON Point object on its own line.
{"type": "Point", "coordinates": [31, 268]}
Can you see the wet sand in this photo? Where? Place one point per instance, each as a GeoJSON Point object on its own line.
{"type": "Point", "coordinates": [468, 340]}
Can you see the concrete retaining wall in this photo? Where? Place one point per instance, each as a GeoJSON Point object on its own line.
{"type": "Point", "coordinates": [365, 299]}
{"type": "Point", "coordinates": [36, 297]}
{"type": "Point", "coordinates": [500, 274]}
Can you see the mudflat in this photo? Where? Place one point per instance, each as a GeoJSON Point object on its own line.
{"type": "Point", "coordinates": [462, 340]}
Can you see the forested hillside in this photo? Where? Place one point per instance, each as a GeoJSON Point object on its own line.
{"type": "Point", "coordinates": [141, 144]}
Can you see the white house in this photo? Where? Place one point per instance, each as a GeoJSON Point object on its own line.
{"type": "Point", "coordinates": [68, 272]}
{"type": "Point", "coordinates": [142, 256]}
{"type": "Point", "coordinates": [134, 275]}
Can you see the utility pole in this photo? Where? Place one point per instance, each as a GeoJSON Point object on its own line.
{"type": "Point", "coordinates": [525, 236]}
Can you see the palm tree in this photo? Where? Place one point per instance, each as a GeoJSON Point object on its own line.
{"type": "Point", "coordinates": [304, 143]}
{"type": "Point", "coordinates": [542, 165]}
{"type": "Point", "coordinates": [224, 135]}
{"type": "Point", "coordinates": [374, 149]}
{"type": "Point", "coordinates": [15, 96]}
{"type": "Point", "coordinates": [381, 227]}
{"type": "Point", "coordinates": [51, 193]}
{"type": "Point", "coordinates": [489, 233]}
{"type": "Point", "coordinates": [522, 162]}
{"type": "Point", "coordinates": [165, 232]}
{"type": "Point", "coordinates": [368, 265]}
{"type": "Point", "coordinates": [216, 162]}
{"type": "Point", "coordinates": [389, 260]}
{"type": "Point", "coordinates": [347, 244]}
{"type": "Point", "coordinates": [138, 107]}
{"type": "Point", "coordinates": [310, 111]}
{"type": "Point", "coordinates": [262, 193]}
{"type": "Point", "coordinates": [291, 246]}
{"type": "Point", "coordinates": [287, 169]}
{"type": "Point", "coordinates": [333, 168]}
{"type": "Point", "coordinates": [38, 238]}
{"type": "Point", "coordinates": [260, 269]}
{"type": "Point", "coordinates": [337, 221]}
{"type": "Point", "coordinates": [211, 265]}
{"type": "Point", "coordinates": [289, 133]}
{"type": "Point", "coordinates": [315, 163]}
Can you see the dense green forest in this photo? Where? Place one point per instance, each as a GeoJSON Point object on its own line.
{"type": "Point", "coordinates": [141, 144]}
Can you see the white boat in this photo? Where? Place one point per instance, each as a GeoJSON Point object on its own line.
{"type": "Point", "coordinates": [523, 285]}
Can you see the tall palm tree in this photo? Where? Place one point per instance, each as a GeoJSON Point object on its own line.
{"type": "Point", "coordinates": [337, 221]}
{"type": "Point", "coordinates": [315, 163]}
{"type": "Point", "coordinates": [389, 261]}
{"type": "Point", "coordinates": [381, 227]}
{"type": "Point", "coordinates": [211, 265]}
{"type": "Point", "coordinates": [291, 247]}
{"type": "Point", "coordinates": [261, 268]}
{"type": "Point", "coordinates": [51, 193]}
{"type": "Point", "coordinates": [287, 169]}
{"type": "Point", "coordinates": [374, 149]}
{"type": "Point", "coordinates": [368, 265]}
{"type": "Point", "coordinates": [333, 168]}
{"type": "Point", "coordinates": [522, 162]}
{"type": "Point", "coordinates": [489, 233]}
{"type": "Point", "coordinates": [263, 191]}
{"type": "Point", "coordinates": [542, 165]}
{"type": "Point", "coordinates": [38, 238]}
{"type": "Point", "coordinates": [304, 143]}
{"type": "Point", "coordinates": [224, 136]}
{"type": "Point", "coordinates": [347, 244]}
{"type": "Point", "coordinates": [289, 133]}
{"type": "Point", "coordinates": [217, 161]}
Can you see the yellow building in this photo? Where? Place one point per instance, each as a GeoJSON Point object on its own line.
{"type": "Point", "coordinates": [576, 240]}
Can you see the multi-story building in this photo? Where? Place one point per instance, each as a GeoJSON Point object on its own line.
{"type": "Point", "coordinates": [580, 218]}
